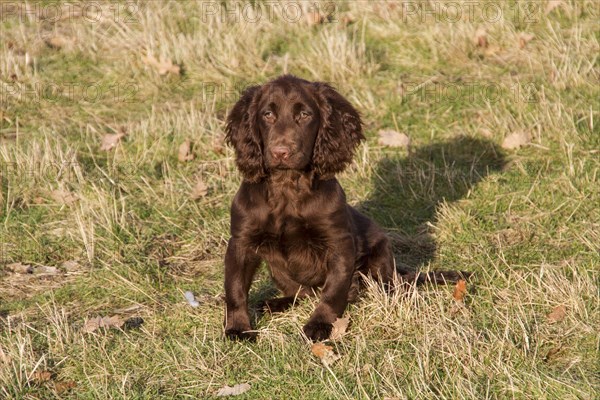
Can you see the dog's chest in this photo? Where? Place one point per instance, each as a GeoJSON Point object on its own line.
{"type": "Point", "coordinates": [295, 245]}
{"type": "Point", "coordinates": [289, 238]}
{"type": "Point", "coordinates": [292, 235]}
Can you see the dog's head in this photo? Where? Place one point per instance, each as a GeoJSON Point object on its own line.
{"type": "Point", "coordinates": [291, 123]}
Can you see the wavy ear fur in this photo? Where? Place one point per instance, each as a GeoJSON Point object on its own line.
{"type": "Point", "coordinates": [339, 134]}
{"type": "Point", "coordinates": [243, 135]}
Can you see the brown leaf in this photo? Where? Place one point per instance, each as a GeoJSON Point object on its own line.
{"type": "Point", "coordinates": [71, 266]}
{"type": "Point", "coordinates": [185, 151]}
{"type": "Point", "coordinates": [57, 41]}
{"type": "Point", "coordinates": [93, 324]}
{"type": "Point", "coordinates": [233, 390]}
{"type": "Point", "coordinates": [525, 38]}
{"type": "Point", "coordinates": [43, 269]}
{"type": "Point", "coordinates": [515, 140]}
{"type": "Point", "coordinates": [217, 144]}
{"type": "Point", "coordinates": [314, 18]}
{"type": "Point", "coordinates": [388, 137]}
{"type": "Point", "coordinates": [339, 328]}
{"type": "Point", "coordinates": [320, 349]}
{"type": "Point", "coordinates": [41, 376]}
{"type": "Point", "coordinates": [553, 4]}
{"type": "Point", "coordinates": [347, 19]}
{"type": "Point", "coordinates": [553, 352]}
{"type": "Point", "coordinates": [486, 133]}
{"type": "Point", "coordinates": [63, 386]}
{"type": "Point", "coordinates": [63, 196]}
{"type": "Point", "coordinates": [19, 268]}
{"type": "Point", "coordinates": [460, 290]}
{"type": "Point", "coordinates": [4, 358]}
{"type": "Point", "coordinates": [324, 353]}
{"type": "Point", "coordinates": [480, 38]}
{"type": "Point", "coordinates": [163, 67]}
{"type": "Point", "coordinates": [110, 140]}
{"type": "Point", "coordinates": [492, 50]}
{"type": "Point", "coordinates": [557, 314]}
{"type": "Point", "coordinates": [200, 189]}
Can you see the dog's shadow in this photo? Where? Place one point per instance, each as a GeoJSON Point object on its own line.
{"type": "Point", "coordinates": [408, 191]}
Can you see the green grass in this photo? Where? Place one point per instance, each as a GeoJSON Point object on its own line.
{"type": "Point", "coordinates": [526, 222]}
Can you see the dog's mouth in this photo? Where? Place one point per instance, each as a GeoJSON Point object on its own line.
{"type": "Point", "coordinates": [295, 161]}
{"type": "Point", "coordinates": [277, 164]}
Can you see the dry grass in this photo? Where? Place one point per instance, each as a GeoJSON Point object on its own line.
{"type": "Point", "coordinates": [525, 221]}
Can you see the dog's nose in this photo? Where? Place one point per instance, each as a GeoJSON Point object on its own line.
{"type": "Point", "coordinates": [280, 152]}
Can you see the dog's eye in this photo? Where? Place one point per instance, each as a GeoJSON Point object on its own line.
{"type": "Point", "coordinates": [268, 115]}
{"type": "Point", "coordinates": [304, 115]}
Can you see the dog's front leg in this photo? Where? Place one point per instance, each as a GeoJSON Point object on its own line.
{"type": "Point", "coordinates": [334, 296]}
{"type": "Point", "coordinates": [240, 267]}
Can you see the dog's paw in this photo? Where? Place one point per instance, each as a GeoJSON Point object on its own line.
{"type": "Point", "coordinates": [240, 334]}
{"type": "Point", "coordinates": [317, 330]}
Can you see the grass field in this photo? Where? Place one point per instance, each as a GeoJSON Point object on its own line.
{"type": "Point", "coordinates": [99, 225]}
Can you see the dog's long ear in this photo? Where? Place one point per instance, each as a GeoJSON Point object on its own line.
{"type": "Point", "coordinates": [339, 134]}
{"type": "Point", "coordinates": [243, 135]}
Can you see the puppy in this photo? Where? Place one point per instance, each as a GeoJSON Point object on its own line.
{"type": "Point", "coordinates": [291, 137]}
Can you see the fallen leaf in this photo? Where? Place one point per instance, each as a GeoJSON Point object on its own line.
{"type": "Point", "coordinates": [43, 269]}
{"type": "Point", "coordinates": [460, 290]}
{"type": "Point", "coordinates": [41, 376]}
{"type": "Point", "coordinates": [515, 140]}
{"type": "Point", "coordinates": [339, 328]}
{"type": "Point", "coordinates": [185, 152]}
{"type": "Point", "coordinates": [71, 266]}
{"type": "Point", "coordinates": [486, 133]}
{"type": "Point", "coordinates": [320, 349]}
{"type": "Point", "coordinates": [480, 38]}
{"type": "Point", "coordinates": [233, 390]}
{"type": "Point", "coordinates": [347, 19]}
{"type": "Point", "coordinates": [553, 352]}
{"type": "Point", "coordinates": [200, 189]}
{"type": "Point", "coordinates": [217, 144]}
{"type": "Point", "coordinates": [4, 358]}
{"type": "Point", "coordinates": [189, 296]}
{"type": "Point", "coordinates": [57, 41]}
{"type": "Point", "coordinates": [218, 149]}
{"type": "Point", "coordinates": [492, 50]}
{"type": "Point", "coordinates": [325, 353]}
{"type": "Point", "coordinates": [93, 324]}
{"type": "Point", "coordinates": [63, 386]}
{"type": "Point", "coordinates": [20, 268]}
{"type": "Point", "coordinates": [164, 66]}
{"type": "Point", "coordinates": [314, 18]}
{"type": "Point", "coordinates": [63, 196]}
{"type": "Point", "coordinates": [525, 38]}
{"type": "Point", "coordinates": [553, 4]}
{"type": "Point", "coordinates": [110, 140]}
{"type": "Point", "coordinates": [557, 314]}
{"type": "Point", "coordinates": [388, 137]}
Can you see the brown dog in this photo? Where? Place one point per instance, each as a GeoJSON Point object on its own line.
{"type": "Point", "coordinates": [290, 138]}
